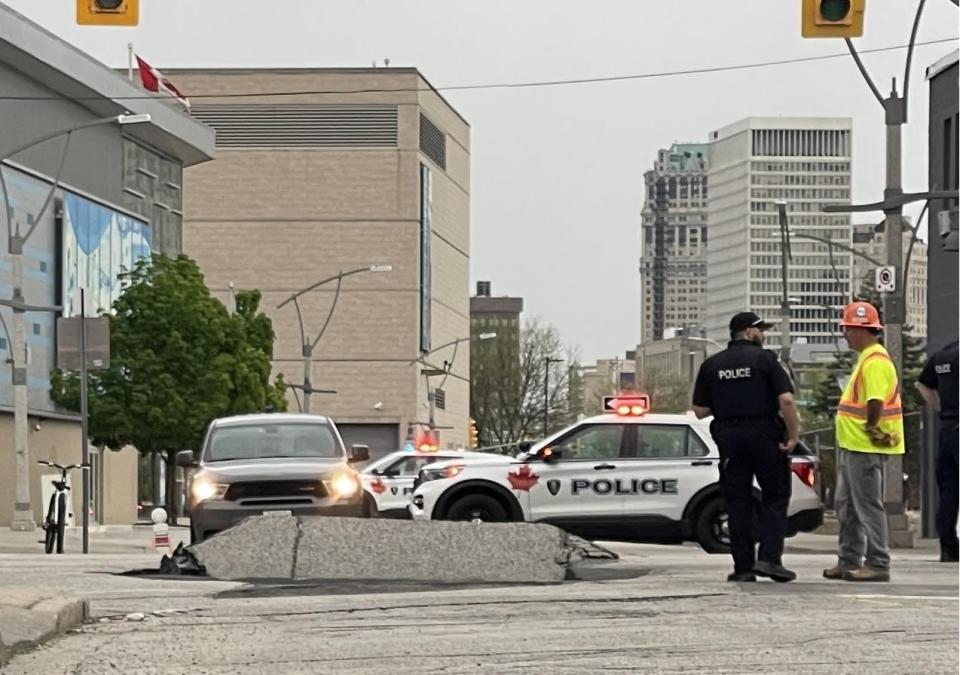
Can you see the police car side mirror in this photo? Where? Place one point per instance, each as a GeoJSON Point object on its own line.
{"type": "Point", "coordinates": [548, 455]}
{"type": "Point", "coordinates": [524, 446]}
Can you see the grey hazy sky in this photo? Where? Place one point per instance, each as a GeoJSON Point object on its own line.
{"type": "Point", "coordinates": [558, 172]}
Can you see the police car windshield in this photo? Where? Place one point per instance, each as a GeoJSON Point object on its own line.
{"type": "Point", "coordinates": [262, 441]}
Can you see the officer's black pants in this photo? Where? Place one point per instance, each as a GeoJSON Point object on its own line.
{"type": "Point", "coordinates": [947, 478]}
{"type": "Point", "coordinates": [747, 451]}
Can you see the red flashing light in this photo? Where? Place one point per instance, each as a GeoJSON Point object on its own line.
{"type": "Point", "coordinates": [632, 405]}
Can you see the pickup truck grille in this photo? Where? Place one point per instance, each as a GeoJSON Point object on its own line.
{"type": "Point", "coordinates": [277, 489]}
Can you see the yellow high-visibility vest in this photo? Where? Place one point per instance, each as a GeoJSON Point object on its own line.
{"type": "Point", "coordinates": [873, 378]}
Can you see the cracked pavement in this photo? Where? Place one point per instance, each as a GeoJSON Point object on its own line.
{"type": "Point", "coordinates": [674, 614]}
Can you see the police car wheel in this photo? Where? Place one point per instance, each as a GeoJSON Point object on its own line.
{"type": "Point", "coordinates": [712, 527]}
{"type": "Point", "coordinates": [477, 509]}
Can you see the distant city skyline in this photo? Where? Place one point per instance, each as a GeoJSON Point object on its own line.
{"type": "Point", "coordinates": [557, 173]}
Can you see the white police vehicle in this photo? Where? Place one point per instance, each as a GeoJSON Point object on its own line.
{"type": "Point", "coordinates": [388, 482]}
{"type": "Point", "coordinates": [622, 476]}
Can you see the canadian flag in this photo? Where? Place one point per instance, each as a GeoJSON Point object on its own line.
{"type": "Point", "coordinates": [154, 80]}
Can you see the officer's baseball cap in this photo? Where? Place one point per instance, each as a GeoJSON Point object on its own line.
{"type": "Point", "coordinates": [745, 320]}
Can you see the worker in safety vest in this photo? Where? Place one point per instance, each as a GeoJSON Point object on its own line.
{"type": "Point", "coordinates": [869, 427]}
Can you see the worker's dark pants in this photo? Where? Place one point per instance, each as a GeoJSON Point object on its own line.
{"type": "Point", "coordinates": [748, 450]}
{"type": "Point", "coordinates": [947, 478]}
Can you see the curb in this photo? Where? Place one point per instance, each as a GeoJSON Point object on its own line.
{"type": "Point", "coordinates": [46, 619]}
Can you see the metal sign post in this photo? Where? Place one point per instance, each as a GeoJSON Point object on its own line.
{"type": "Point", "coordinates": [84, 344]}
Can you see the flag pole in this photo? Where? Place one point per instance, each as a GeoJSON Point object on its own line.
{"type": "Point", "coordinates": [130, 61]}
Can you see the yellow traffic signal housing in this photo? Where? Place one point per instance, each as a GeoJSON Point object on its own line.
{"type": "Point", "coordinates": [833, 18]}
{"type": "Point", "coordinates": [474, 440]}
{"type": "Point", "coordinates": [108, 12]}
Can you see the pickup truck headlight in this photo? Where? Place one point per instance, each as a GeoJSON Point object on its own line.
{"type": "Point", "coordinates": [342, 485]}
{"type": "Point", "coordinates": [204, 488]}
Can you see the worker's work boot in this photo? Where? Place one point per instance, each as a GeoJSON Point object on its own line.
{"type": "Point", "coordinates": [866, 574]}
{"type": "Point", "coordinates": [836, 572]}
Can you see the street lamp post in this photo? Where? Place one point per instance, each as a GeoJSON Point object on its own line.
{"type": "Point", "coordinates": [22, 513]}
{"type": "Point", "coordinates": [546, 392]}
{"type": "Point", "coordinates": [307, 346]}
{"type": "Point", "coordinates": [430, 371]}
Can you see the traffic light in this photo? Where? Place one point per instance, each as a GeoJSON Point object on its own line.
{"type": "Point", "coordinates": [832, 18]}
{"type": "Point", "coordinates": [108, 12]}
{"type": "Point", "coordinates": [474, 436]}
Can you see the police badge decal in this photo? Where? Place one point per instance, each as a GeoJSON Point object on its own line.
{"type": "Point", "coordinates": [554, 486]}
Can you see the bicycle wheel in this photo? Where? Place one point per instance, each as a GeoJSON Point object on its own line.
{"type": "Point", "coordinates": [61, 520]}
{"type": "Point", "coordinates": [49, 525]}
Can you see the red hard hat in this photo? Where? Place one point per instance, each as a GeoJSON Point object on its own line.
{"type": "Point", "coordinates": [861, 315]}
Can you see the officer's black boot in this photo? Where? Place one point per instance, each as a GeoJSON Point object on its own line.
{"type": "Point", "coordinates": [775, 571]}
{"type": "Point", "coordinates": [741, 576]}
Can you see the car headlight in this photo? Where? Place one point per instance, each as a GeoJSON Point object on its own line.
{"type": "Point", "coordinates": [429, 474]}
{"type": "Point", "coordinates": [342, 485]}
{"type": "Point", "coordinates": [204, 488]}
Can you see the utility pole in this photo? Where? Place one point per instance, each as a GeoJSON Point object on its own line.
{"type": "Point", "coordinates": [546, 392]}
{"type": "Point", "coordinates": [785, 255]}
{"type": "Point", "coordinates": [894, 309]}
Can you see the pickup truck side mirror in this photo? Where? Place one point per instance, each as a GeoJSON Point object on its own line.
{"type": "Point", "coordinates": [185, 458]}
{"type": "Point", "coordinates": [359, 453]}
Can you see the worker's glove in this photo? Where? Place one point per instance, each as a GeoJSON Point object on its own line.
{"type": "Point", "coordinates": [881, 438]}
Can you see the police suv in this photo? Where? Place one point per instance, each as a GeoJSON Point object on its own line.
{"type": "Point", "coordinates": [627, 475]}
{"type": "Point", "coordinates": [388, 482]}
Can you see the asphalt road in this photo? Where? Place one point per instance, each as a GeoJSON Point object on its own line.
{"type": "Point", "coordinates": [673, 613]}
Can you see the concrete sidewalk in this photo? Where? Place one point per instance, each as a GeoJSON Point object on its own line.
{"type": "Point", "coordinates": [30, 617]}
{"type": "Point", "coordinates": [103, 539]}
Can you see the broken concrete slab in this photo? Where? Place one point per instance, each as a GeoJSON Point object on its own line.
{"type": "Point", "coordinates": [271, 547]}
{"type": "Point", "coordinates": [355, 548]}
{"type": "Point", "coordinates": [260, 547]}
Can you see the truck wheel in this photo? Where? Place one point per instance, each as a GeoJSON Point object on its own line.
{"type": "Point", "coordinates": [712, 527]}
{"type": "Point", "coordinates": [477, 509]}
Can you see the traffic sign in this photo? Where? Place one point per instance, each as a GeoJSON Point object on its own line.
{"type": "Point", "coordinates": [886, 279]}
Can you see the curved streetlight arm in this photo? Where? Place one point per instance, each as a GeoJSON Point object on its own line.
{"type": "Point", "coordinates": [863, 70]}
{"type": "Point", "coordinates": [303, 334]}
{"type": "Point", "coordinates": [333, 306]}
{"type": "Point", "coordinates": [338, 275]}
{"type": "Point", "coordinates": [707, 340]}
{"type": "Point", "coordinates": [913, 42]}
{"type": "Point", "coordinates": [830, 242]}
{"type": "Point", "coordinates": [116, 119]}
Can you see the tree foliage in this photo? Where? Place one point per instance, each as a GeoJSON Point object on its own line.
{"type": "Point", "coordinates": [179, 359]}
{"type": "Point", "coordinates": [508, 382]}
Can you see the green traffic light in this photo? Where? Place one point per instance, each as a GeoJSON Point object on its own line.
{"type": "Point", "coordinates": [834, 10]}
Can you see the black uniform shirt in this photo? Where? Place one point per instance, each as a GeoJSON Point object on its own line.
{"type": "Point", "coordinates": [940, 373]}
{"type": "Point", "coordinates": [744, 380]}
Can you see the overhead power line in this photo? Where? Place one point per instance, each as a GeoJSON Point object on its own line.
{"type": "Point", "coordinates": [501, 85]}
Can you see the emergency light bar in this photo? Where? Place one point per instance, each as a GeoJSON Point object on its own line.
{"type": "Point", "coordinates": [627, 404]}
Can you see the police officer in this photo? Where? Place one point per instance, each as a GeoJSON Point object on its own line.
{"type": "Point", "coordinates": [750, 397]}
{"type": "Point", "coordinates": [938, 384]}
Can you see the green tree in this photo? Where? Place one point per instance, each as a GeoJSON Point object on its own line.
{"type": "Point", "coordinates": [179, 359]}
{"type": "Point", "coordinates": [507, 386]}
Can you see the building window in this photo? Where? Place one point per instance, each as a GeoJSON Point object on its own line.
{"type": "Point", "coordinates": [36, 329]}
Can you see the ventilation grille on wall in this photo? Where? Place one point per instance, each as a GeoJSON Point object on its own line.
{"type": "Point", "coordinates": [440, 399]}
{"type": "Point", "coordinates": [433, 142]}
{"type": "Point", "coordinates": [300, 125]}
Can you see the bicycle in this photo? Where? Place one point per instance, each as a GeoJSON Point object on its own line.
{"type": "Point", "coordinates": [55, 523]}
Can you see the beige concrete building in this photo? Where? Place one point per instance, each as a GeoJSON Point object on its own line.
{"type": "Point", "coordinates": [869, 239]}
{"type": "Point", "coordinates": [606, 377]}
{"type": "Point", "coordinates": [372, 168]}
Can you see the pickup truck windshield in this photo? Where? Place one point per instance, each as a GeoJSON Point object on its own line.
{"type": "Point", "coordinates": [260, 441]}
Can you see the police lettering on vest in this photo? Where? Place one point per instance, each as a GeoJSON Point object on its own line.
{"type": "Point", "coordinates": [941, 374]}
{"type": "Point", "coordinates": [742, 381]}
{"type": "Point", "coordinates": [734, 373]}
